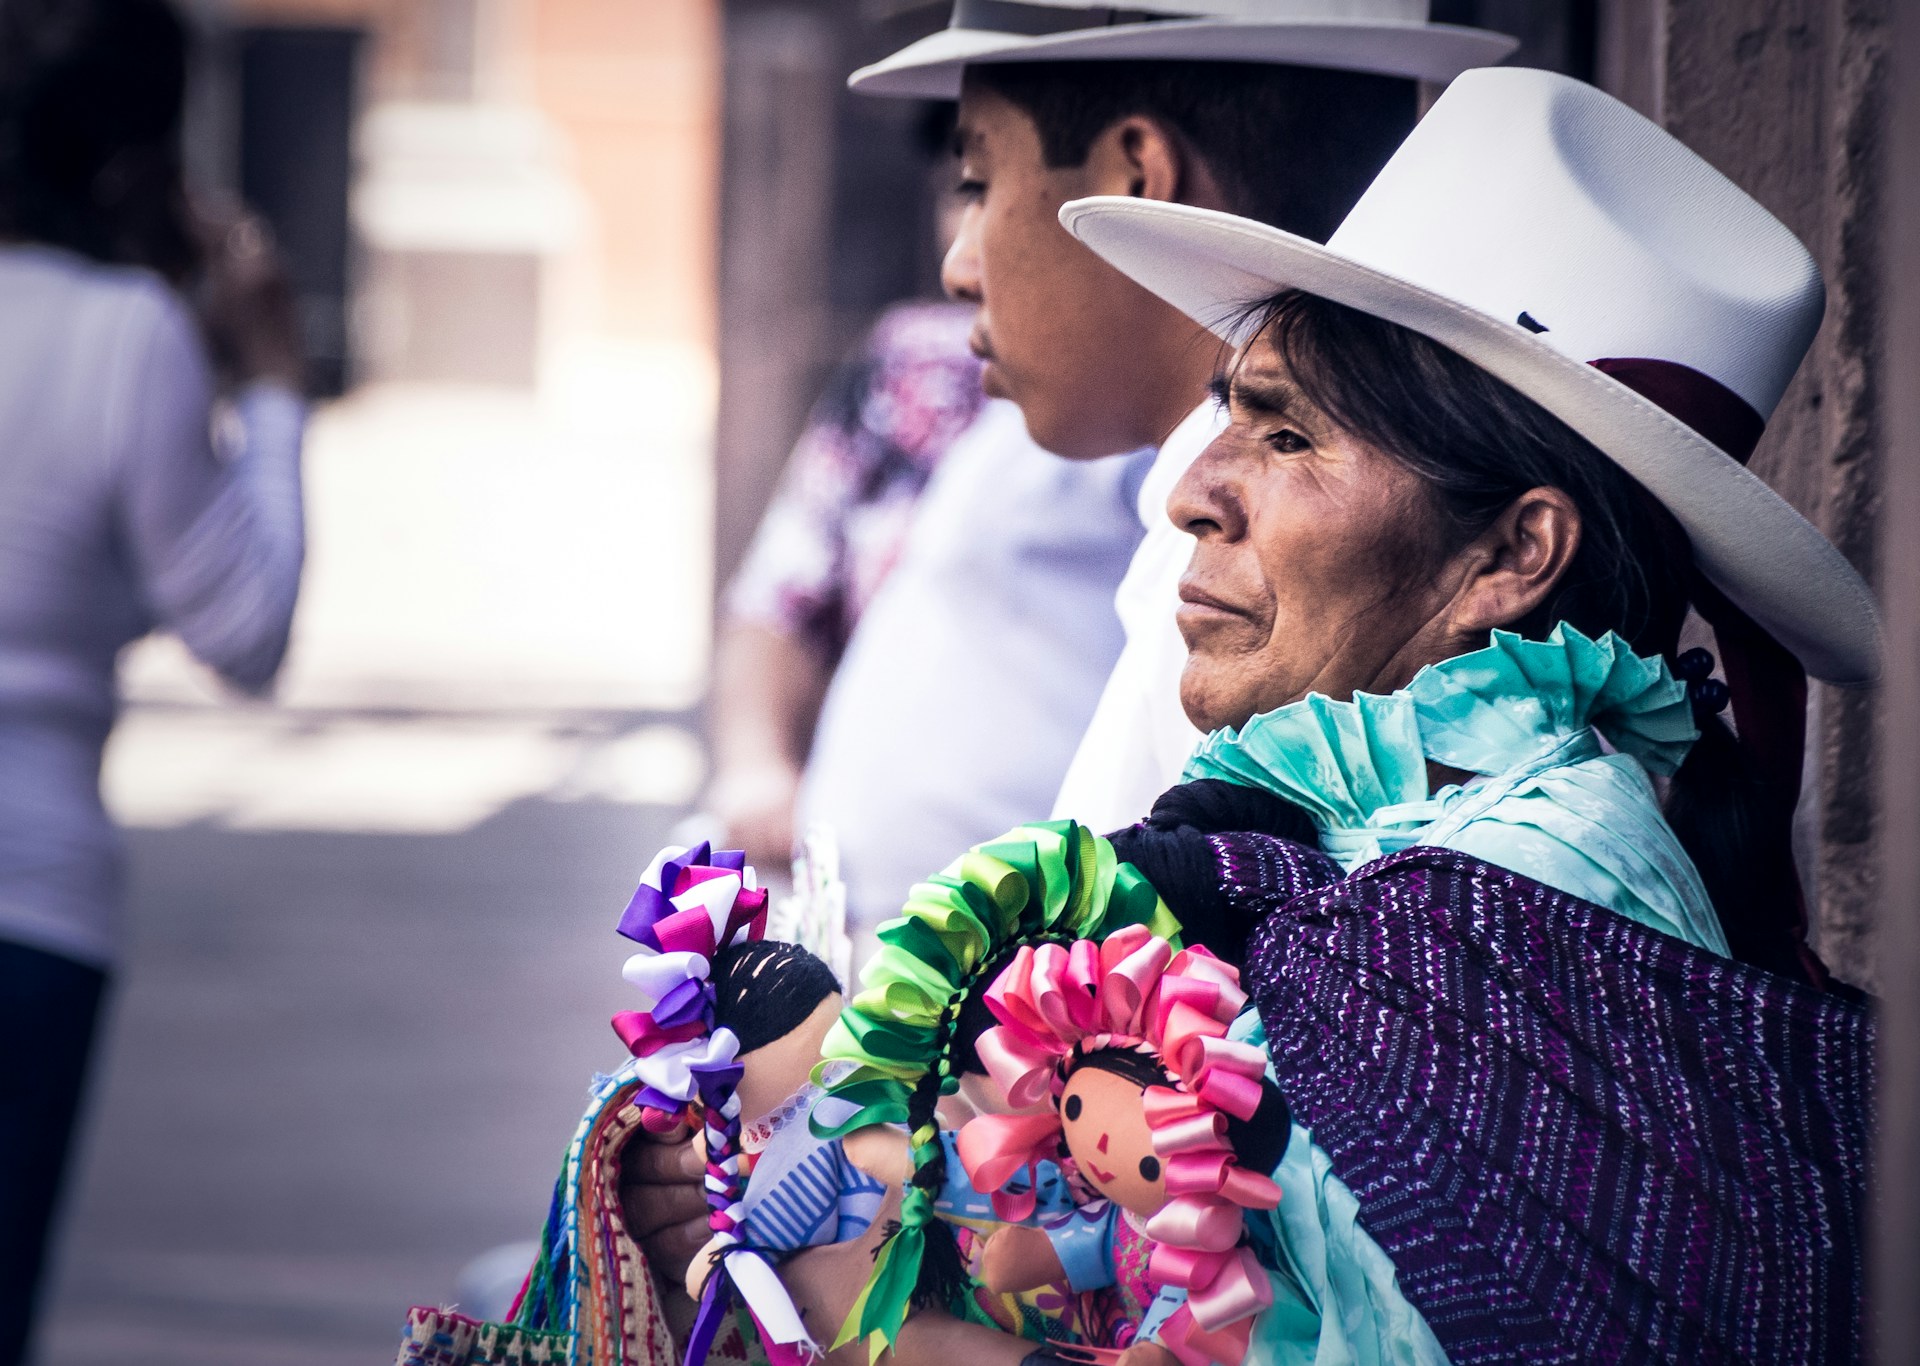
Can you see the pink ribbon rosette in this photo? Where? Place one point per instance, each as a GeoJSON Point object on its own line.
{"type": "Point", "coordinates": [692, 904]}
{"type": "Point", "coordinates": [1134, 990]}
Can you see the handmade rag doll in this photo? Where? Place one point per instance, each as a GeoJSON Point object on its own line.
{"type": "Point", "coordinates": [900, 1045]}
{"type": "Point", "coordinates": [732, 1026]}
{"type": "Point", "coordinates": [1167, 1124]}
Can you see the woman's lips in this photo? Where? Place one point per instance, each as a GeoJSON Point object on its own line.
{"type": "Point", "coordinates": [1201, 601]}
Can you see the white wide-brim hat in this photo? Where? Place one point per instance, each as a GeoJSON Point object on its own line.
{"type": "Point", "coordinates": [1555, 238]}
{"type": "Point", "coordinates": [1385, 37]}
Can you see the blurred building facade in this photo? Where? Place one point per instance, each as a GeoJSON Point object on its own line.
{"type": "Point", "coordinates": [528, 177]}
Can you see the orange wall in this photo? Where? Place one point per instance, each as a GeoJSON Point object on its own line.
{"type": "Point", "coordinates": [636, 87]}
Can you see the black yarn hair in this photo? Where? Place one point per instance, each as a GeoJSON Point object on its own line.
{"type": "Point", "coordinates": [1477, 444]}
{"type": "Point", "coordinates": [1172, 851]}
{"type": "Point", "coordinates": [92, 96]}
{"type": "Point", "coordinates": [1261, 1141]}
{"type": "Point", "coordinates": [1140, 1066]}
{"type": "Point", "coordinates": [1293, 146]}
{"type": "Point", "coordinates": [764, 989]}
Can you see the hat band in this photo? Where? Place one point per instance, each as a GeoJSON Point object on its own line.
{"type": "Point", "coordinates": [1035, 21]}
{"type": "Point", "coordinates": [1700, 401]}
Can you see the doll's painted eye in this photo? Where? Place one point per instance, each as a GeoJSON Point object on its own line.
{"type": "Point", "coordinates": [1150, 1169]}
{"type": "Point", "coordinates": [1072, 1108]}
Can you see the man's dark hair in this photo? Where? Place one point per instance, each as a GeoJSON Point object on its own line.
{"type": "Point", "coordinates": [1293, 146]}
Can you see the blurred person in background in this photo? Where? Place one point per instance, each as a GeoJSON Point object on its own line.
{"type": "Point", "coordinates": [923, 621]}
{"type": "Point", "coordinates": [119, 514]}
{"type": "Point", "coordinates": [831, 533]}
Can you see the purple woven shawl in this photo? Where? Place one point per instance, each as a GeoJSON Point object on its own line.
{"type": "Point", "coordinates": [1578, 1139]}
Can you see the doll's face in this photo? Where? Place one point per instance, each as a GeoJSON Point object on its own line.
{"type": "Point", "coordinates": [774, 1071]}
{"type": "Point", "coordinates": [1105, 1125]}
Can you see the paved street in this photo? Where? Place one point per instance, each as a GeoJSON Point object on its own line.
{"type": "Point", "coordinates": [371, 956]}
{"type": "Point", "coordinates": [341, 1065]}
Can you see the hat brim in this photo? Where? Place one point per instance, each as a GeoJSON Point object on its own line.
{"type": "Point", "coordinates": [931, 69]}
{"type": "Point", "coordinates": [1749, 541]}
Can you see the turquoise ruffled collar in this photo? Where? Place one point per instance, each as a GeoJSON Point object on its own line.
{"type": "Point", "coordinates": [1359, 768]}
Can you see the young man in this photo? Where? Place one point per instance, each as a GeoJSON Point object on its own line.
{"type": "Point", "coordinates": [1273, 110]}
{"type": "Point", "coordinates": [1268, 108]}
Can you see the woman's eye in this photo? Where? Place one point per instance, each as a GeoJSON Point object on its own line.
{"type": "Point", "coordinates": [1150, 1168]}
{"type": "Point", "coordinates": [1072, 1107]}
{"type": "Point", "coordinates": [1288, 442]}
{"type": "Point", "coordinates": [971, 190]}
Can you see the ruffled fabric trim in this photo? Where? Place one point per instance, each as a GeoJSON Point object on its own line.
{"type": "Point", "coordinates": [1339, 761]}
{"type": "Point", "coordinates": [1491, 710]}
{"type": "Point", "coordinates": [1351, 764]}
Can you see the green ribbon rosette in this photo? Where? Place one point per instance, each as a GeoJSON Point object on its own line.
{"type": "Point", "coordinates": [1051, 880]}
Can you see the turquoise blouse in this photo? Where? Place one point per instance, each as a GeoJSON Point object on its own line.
{"type": "Point", "coordinates": [1560, 736]}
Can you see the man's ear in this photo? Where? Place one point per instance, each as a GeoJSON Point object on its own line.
{"type": "Point", "coordinates": [1514, 564]}
{"type": "Point", "coordinates": [1142, 157]}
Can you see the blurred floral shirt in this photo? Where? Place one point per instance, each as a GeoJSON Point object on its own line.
{"type": "Point", "coordinates": [839, 519]}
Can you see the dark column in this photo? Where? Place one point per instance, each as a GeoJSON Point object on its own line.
{"type": "Point", "coordinates": [1896, 1268]}
{"type": "Point", "coordinates": [298, 89]}
{"type": "Point", "coordinates": [1788, 98]}
{"type": "Point", "coordinates": [823, 220]}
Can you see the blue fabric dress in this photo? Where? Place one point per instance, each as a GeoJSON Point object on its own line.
{"type": "Point", "coordinates": [1561, 736]}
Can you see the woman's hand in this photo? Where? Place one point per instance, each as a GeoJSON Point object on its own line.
{"type": "Point", "coordinates": [245, 300]}
{"type": "Point", "coordinates": [664, 1200]}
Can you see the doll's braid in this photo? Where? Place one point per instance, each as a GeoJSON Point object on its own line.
{"type": "Point", "coordinates": [726, 1185]}
{"type": "Point", "coordinates": [942, 1278]}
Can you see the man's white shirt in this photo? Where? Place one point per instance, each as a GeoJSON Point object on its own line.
{"type": "Point", "coordinates": [1140, 738]}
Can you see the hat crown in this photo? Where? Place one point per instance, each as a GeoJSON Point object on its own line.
{"type": "Point", "coordinates": [1529, 193]}
{"type": "Point", "coordinates": [1004, 14]}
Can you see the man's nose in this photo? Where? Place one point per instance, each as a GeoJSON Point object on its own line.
{"type": "Point", "coordinates": [960, 271]}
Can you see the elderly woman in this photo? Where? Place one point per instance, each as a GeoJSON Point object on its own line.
{"type": "Point", "coordinates": [1566, 1082]}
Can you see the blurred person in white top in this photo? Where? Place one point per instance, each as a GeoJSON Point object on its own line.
{"type": "Point", "coordinates": [118, 515]}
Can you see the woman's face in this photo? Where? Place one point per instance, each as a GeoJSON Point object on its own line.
{"type": "Point", "coordinates": [1319, 565]}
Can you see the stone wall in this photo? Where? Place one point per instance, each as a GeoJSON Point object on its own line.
{"type": "Point", "coordinates": [1788, 97]}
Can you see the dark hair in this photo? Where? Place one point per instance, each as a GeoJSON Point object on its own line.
{"type": "Point", "coordinates": [1293, 146]}
{"type": "Point", "coordinates": [91, 99]}
{"type": "Point", "coordinates": [1138, 1066]}
{"type": "Point", "coordinates": [764, 990]}
{"type": "Point", "coordinates": [1477, 444]}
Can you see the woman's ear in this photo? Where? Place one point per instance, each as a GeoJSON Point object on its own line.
{"type": "Point", "coordinates": [1514, 564]}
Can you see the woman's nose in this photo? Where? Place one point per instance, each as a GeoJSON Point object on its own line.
{"type": "Point", "coordinates": [960, 270]}
{"type": "Point", "coordinates": [1206, 503]}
